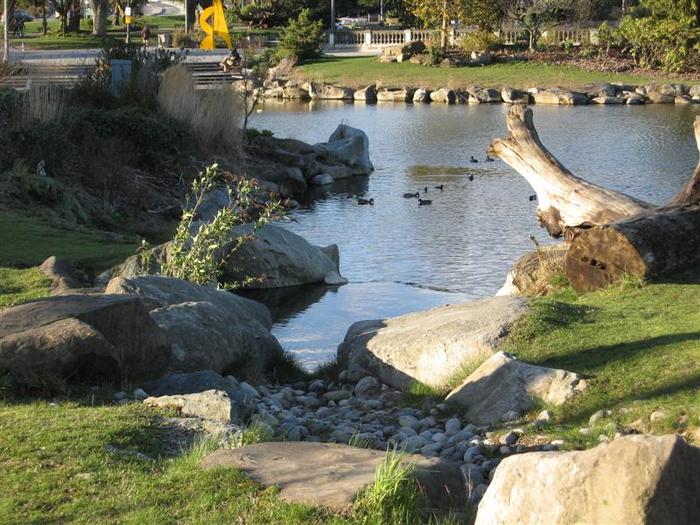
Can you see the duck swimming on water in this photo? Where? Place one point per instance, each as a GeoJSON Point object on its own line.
{"type": "Point", "coordinates": [424, 202]}
{"type": "Point", "coordinates": [411, 195]}
{"type": "Point", "coordinates": [364, 202]}
{"type": "Point", "coordinates": [441, 187]}
{"type": "Point", "coordinates": [472, 159]}
{"type": "Point", "coordinates": [532, 197]}
{"type": "Point", "coordinates": [471, 177]}
{"type": "Point", "coordinates": [489, 159]}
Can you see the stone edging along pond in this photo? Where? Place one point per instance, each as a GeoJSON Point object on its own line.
{"type": "Point", "coordinates": [601, 93]}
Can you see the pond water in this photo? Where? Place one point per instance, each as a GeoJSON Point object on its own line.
{"type": "Point", "coordinates": [400, 257]}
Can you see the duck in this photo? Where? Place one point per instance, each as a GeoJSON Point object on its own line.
{"type": "Point", "coordinates": [472, 159]}
{"type": "Point", "coordinates": [425, 190]}
{"type": "Point", "coordinates": [364, 202]}
{"type": "Point", "coordinates": [489, 159]}
{"type": "Point", "coordinates": [441, 187]}
{"type": "Point", "coordinates": [471, 177]}
{"type": "Point", "coordinates": [411, 195]}
{"type": "Point", "coordinates": [424, 202]}
{"type": "Point", "coordinates": [532, 197]}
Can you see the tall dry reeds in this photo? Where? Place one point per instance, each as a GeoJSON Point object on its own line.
{"type": "Point", "coordinates": [214, 115]}
{"type": "Point", "coordinates": [43, 103]}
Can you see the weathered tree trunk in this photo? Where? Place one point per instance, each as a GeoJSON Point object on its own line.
{"type": "Point", "coordinates": [612, 234]}
{"type": "Point", "coordinates": [654, 243]}
{"type": "Point", "coordinates": [566, 202]}
{"type": "Point", "coordinates": [99, 17]}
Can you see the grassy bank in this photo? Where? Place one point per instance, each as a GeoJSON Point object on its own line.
{"type": "Point", "coordinates": [28, 241]}
{"type": "Point", "coordinates": [638, 346]}
{"type": "Point", "coordinates": [360, 71]}
{"type": "Point", "coordinates": [75, 463]}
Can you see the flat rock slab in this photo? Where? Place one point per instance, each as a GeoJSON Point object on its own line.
{"type": "Point", "coordinates": [633, 480]}
{"type": "Point", "coordinates": [331, 475]}
{"type": "Point", "coordinates": [430, 346]}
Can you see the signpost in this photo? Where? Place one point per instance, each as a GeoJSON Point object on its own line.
{"type": "Point", "coordinates": [127, 21]}
{"type": "Point", "coordinates": [6, 32]}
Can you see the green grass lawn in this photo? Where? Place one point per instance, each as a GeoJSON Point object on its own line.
{"type": "Point", "coordinates": [639, 346]}
{"type": "Point", "coordinates": [28, 241]}
{"type": "Point", "coordinates": [57, 467]}
{"type": "Point", "coordinates": [361, 71]}
{"type": "Point", "coordinates": [34, 39]}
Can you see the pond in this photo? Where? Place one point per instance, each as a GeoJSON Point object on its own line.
{"type": "Point", "coordinates": [401, 257]}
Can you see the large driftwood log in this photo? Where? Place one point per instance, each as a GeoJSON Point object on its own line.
{"type": "Point", "coordinates": [612, 234]}
{"type": "Point", "coordinates": [566, 202]}
{"type": "Point", "coordinates": [649, 245]}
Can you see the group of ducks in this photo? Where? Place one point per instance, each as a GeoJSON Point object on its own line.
{"type": "Point", "coordinates": [441, 187]}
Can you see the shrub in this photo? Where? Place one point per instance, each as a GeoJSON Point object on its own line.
{"type": "Point", "coordinates": [303, 38]}
{"type": "Point", "coordinates": [184, 40]}
{"type": "Point", "coordinates": [672, 45]}
{"type": "Point", "coordinates": [435, 53]}
{"type": "Point", "coordinates": [43, 103]}
{"type": "Point", "coordinates": [196, 253]}
{"type": "Point", "coordinates": [479, 41]}
{"type": "Point", "coordinates": [214, 116]}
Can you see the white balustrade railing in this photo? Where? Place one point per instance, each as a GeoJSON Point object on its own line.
{"type": "Point", "coordinates": [380, 38]}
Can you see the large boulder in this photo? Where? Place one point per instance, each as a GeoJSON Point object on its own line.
{"type": "Point", "coordinates": [632, 480]}
{"type": "Point", "coordinates": [275, 257]}
{"type": "Point", "coordinates": [348, 146]}
{"type": "Point", "coordinates": [479, 95]}
{"type": "Point", "coordinates": [367, 94]}
{"type": "Point", "coordinates": [515, 96]}
{"type": "Point", "coordinates": [282, 258]}
{"type": "Point", "coordinates": [443, 95]}
{"type": "Point", "coordinates": [208, 329]}
{"type": "Point", "coordinates": [395, 94]}
{"type": "Point", "coordinates": [556, 96]}
{"type": "Point", "coordinates": [63, 278]}
{"type": "Point", "coordinates": [82, 338]}
{"type": "Point", "coordinates": [431, 346]}
{"type": "Point", "coordinates": [422, 95]}
{"type": "Point", "coordinates": [323, 91]}
{"type": "Point", "coordinates": [504, 386]}
{"type": "Point", "coordinates": [332, 475]}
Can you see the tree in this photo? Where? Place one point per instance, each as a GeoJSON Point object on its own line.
{"type": "Point", "coordinates": [100, 8]}
{"type": "Point", "coordinates": [675, 9]}
{"type": "Point", "coordinates": [303, 38]}
{"type": "Point", "coordinates": [536, 16]}
{"type": "Point", "coordinates": [438, 13]}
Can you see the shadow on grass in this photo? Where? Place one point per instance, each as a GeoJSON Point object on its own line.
{"type": "Point", "coordinates": [589, 359]}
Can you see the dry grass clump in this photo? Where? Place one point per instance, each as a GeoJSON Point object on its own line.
{"type": "Point", "coordinates": [43, 103]}
{"type": "Point", "coordinates": [214, 115]}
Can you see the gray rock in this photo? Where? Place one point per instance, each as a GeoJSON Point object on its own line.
{"type": "Point", "coordinates": [421, 96]}
{"type": "Point", "coordinates": [321, 179]}
{"type": "Point", "coordinates": [348, 146]}
{"type": "Point", "coordinates": [367, 94]}
{"type": "Point", "coordinates": [208, 329]}
{"type": "Point", "coordinates": [63, 278]}
{"type": "Point", "coordinates": [395, 94]}
{"type": "Point", "coordinates": [408, 421]}
{"type": "Point", "coordinates": [283, 258]}
{"type": "Point", "coordinates": [140, 394]}
{"type": "Point", "coordinates": [429, 346]}
{"type": "Point", "coordinates": [82, 338]}
{"type": "Point", "coordinates": [330, 475]}
{"type": "Point", "coordinates": [119, 396]}
{"type": "Point", "coordinates": [504, 385]}
{"type": "Point", "coordinates": [515, 96]}
{"type": "Point", "coordinates": [336, 395]}
{"type": "Point", "coordinates": [210, 404]}
{"type": "Point", "coordinates": [633, 479]}
{"type": "Point", "coordinates": [368, 386]}
{"type": "Point", "coordinates": [453, 425]}
{"type": "Point", "coordinates": [322, 91]}
{"type": "Point", "coordinates": [444, 96]}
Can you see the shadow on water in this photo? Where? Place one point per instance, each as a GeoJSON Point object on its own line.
{"type": "Point", "coordinates": [311, 321]}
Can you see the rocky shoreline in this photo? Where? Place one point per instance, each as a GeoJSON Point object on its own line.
{"type": "Point", "coordinates": [594, 94]}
